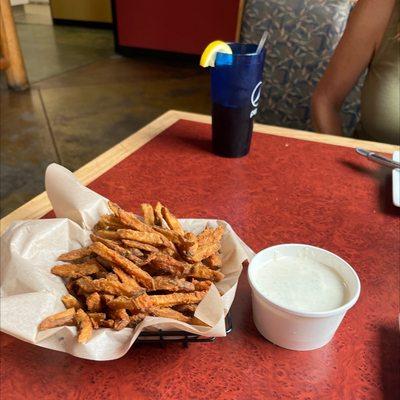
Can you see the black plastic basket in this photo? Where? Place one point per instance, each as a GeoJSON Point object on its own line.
{"type": "Point", "coordinates": [162, 337]}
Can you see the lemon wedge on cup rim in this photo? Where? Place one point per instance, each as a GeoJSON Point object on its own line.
{"type": "Point", "coordinates": [208, 57]}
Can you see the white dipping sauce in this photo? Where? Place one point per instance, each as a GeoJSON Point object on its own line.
{"type": "Point", "coordinates": [301, 284]}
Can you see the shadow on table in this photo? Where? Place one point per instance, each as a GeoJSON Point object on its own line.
{"type": "Point", "coordinates": [203, 145]}
{"type": "Point", "coordinates": [389, 339]}
{"type": "Point", "coordinates": [384, 177]}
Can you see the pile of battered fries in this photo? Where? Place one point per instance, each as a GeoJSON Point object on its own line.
{"type": "Point", "coordinates": [136, 268]}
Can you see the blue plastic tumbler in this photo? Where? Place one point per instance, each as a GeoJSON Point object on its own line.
{"type": "Point", "coordinates": [236, 81]}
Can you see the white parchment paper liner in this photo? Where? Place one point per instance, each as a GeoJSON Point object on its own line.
{"type": "Point", "coordinates": [29, 292]}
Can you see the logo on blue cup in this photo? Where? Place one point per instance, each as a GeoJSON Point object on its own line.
{"type": "Point", "coordinates": [255, 98]}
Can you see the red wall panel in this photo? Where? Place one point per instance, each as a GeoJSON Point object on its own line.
{"type": "Point", "coordinates": [185, 26]}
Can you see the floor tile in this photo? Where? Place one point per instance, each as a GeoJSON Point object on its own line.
{"type": "Point", "coordinates": [52, 50]}
{"type": "Point", "coordinates": [87, 120]}
{"type": "Point", "coordinates": [26, 148]}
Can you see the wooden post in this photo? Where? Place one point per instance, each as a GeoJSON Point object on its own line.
{"type": "Point", "coordinates": [11, 50]}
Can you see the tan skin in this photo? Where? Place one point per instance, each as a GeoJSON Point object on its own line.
{"type": "Point", "coordinates": [356, 49]}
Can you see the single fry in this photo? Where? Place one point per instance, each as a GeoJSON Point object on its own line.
{"type": "Point", "coordinates": [158, 218]}
{"type": "Point", "coordinates": [60, 319]}
{"type": "Point", "coordinates": [96, 318]}
{"type": "Point", "coordinates": [84, 325]}
{"type": "Point", "coordinates": [172, 221]}
{"type": "Point", "coordinates": [201, 285]}
{"type": "Point", "coordinates": [140, 303]}
{"type": "Point", "coordinates": [214, 261]}
{"type": "Point", "coordinates": [112, 235]}
{"type": "Point", "coordinates": [140, 246]}
{"type": "Point", "coordinates": [148, 214]}
{"type": "Point", "coordinates": [112, 244]}
{"type": "Point", "coordinates": [153, 238]}
{"type": "Point", "coordinates": [127, 279]}
{"type": "Point", "coordinates": [108, 221]}
{"type": "Point", "coordinates": [129, 219]}
{"type": "Point", "coordinates": [127, 265]}
{"type": "Point", "coordinates": [121, 319]}
{"type": "Point", "coordinates": [93, 302]}
{"type": "Point", "coordinates": [169, 300]}
{"type": "Point", "coordinates": [210, 235]}
{"type": "Point", "coordinates": [186, 308]}
{"type": "Point", "coordinates": [136, 319]}
{"type": "Point", "coordinates": [71, 301]}
{"type": "Point", "coordinates": [188, 244]}
{"type": "Point", "coordinates": [205, 251]}
{"type": "Point", "coordinates": [173, 284]}
{"type": "Point", "coordinates": [166, 312]}
{"type": "Point", "coordinates": [170, 235]}
{"type": "Point", "coordinates": [108, 286]}
{"type": "Point", "coordinates": [168, 264]}
{"type": "Point", "coordinates": [74, 255]}
{"type": "Point", "coordinates": [200, 271]}
{"type": "Point", "coordinates": [75, 270]}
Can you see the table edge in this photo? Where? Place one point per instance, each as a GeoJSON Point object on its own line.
{"type": "Point", "coordinates": [40, 205]}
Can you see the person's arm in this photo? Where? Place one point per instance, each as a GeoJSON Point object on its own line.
{"type": "Point", "coordinates": [364, 31]}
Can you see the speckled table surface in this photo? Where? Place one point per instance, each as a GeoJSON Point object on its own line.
{"type": "Point", "coordinates": [286, 190]}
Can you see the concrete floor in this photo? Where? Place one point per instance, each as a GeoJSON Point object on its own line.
{"type": "Point", "coordinates": [83, 99]}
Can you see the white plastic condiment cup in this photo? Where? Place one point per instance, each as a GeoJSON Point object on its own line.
{"type": "Point", "coordinates": [296, 330]}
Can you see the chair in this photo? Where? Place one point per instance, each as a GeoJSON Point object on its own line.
{"type": "Point", "coordinates": [11, 60]}
{"type": "Point", "coordinates": [302, 35]}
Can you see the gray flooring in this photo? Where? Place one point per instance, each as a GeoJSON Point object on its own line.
{"type": "Point", "coordinates": [83, 99]}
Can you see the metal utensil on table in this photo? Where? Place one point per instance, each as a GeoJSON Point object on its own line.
{"type": "Point", "coordinates": [378, 158]}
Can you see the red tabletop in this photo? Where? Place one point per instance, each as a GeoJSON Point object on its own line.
{"type": "Point", "coordinates": [286, 190]}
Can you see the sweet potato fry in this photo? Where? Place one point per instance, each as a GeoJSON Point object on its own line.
{"type": "Point", "coordinates": [158, 218]}
{"type": "Point", "coordinates": [112, 244]}
{"type": "Point", "coordinates": [84, 325]}
{"type": "Point", "coordinates": [201, 285]}
{"type": "Point", "coordinates": [107, 286]}
{"type": "Point", "coordinates": [71, 301]}
{"type": "Point", "coordinates": [200, 271]}
{"type": "Point", "coordinates": [186, 308]}
{"type": "Point", "coordinates": [172, 221]}
{"type": "Point", "coordinates": [140, 303]}
{"type": "Point", "coordinates": [93, 302]}
{"type": "Point", "coordinates": [172, 284]}
{"type": "Point", "coordinates": [59, 319]}
{"type": "Point", "coordinates": [166, 312]}
{"type": "Point", "coordinates": [210, 235]}
{"type": "Point", "coordinates": [169, 300]}
{"type": "Point", "coordinates": [169, 234]}
{"type": "Point", "coordinates": [214, 261]}
{"type": "Point", "coordinates": [205, 251]}
{"type": "Point", "coordinates": [126, 279]}
{"type": "Point", "coordinates": [121, 319]}
{"type": "Point", "coordinates": [107, 323]}
{"type": "Point", "coordinates": [188, 244]}
{"type": "Point", "coordinates": [153, 238]}
{"type": "Point", "coordinates": [168, 264]}
{"type": "Point", "coordinates": [74, 255]}
{"type": "Point", "coordinates": [106, 298]}
{"type": "Point", "coordinates": [129, 219]}
{"type": "Point", "coordinates": [108, 221]}
{"type": "Point", "coordinates": [140, 246]}
{"type": "Point", "coordinates": [96, 318]}
{"type": "Point", "coordinates": [148, 214]}
{"type": "Point", "coordinates": [113, 235]}
{"type": "Point", "coordinates": [136, 319]}
{"type": "Point", "coordinates": [127, 265]}
{"type": "Point", "coordinates": [75, 270]}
